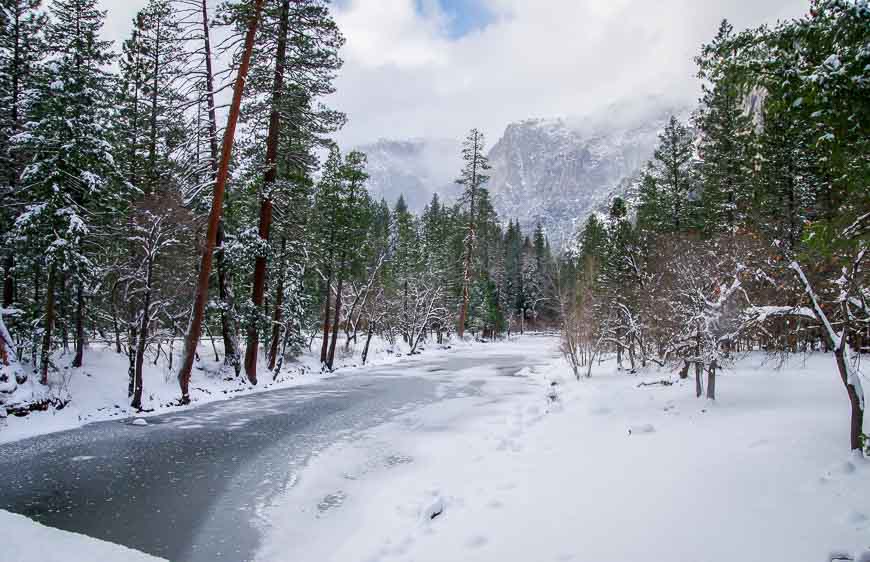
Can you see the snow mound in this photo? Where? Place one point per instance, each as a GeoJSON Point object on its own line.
{"type": "Point", "coordinates": [139, 421]}
{"type": "Point", "coordinates": [641, 428]}
{"type": "Point", "coordinates": [433, 509]}
{"type": "Point", "coordinates": [28, 541]}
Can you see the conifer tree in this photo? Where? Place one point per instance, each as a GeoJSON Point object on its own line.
{"type": "Point", "coordinates": [22, 47]}
{"type": "Point", "coordinates": [72, 175]}
{"type": "Point", "coordinates": [473, 178]}
{"type": "Point", "coordinates": [726, 140]}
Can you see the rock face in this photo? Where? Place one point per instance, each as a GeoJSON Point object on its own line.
{"type": "Point", "coordinates": [414, 168]}
{"type": "Point", "coordinates": [550, 171]}
{"type": "Point", "coordinates": [557, 171]}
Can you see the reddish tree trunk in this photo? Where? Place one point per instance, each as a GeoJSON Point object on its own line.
{"type": "Point", "coordinates": [194, 330]}
{"type": "Point", "coordinates": [228, 329]}
{"type": "Point", "coordinates": [324, 347]}
{"type": "Point", "coordinates": [269, 178]}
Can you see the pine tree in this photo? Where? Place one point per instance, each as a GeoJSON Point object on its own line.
{"type": "Point", "coordinates": [21, 50]}
{"type": "Point", "coordinates": [668, 183]}
{"type": "Point", "coordinates": [726, 140]}
{"type": "Point", "coordinates": [473, 178]}
{"type": "Point", "coordinates": [72, 176]}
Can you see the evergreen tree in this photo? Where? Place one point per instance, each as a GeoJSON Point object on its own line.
{"type": "Point", "coordinates": [667, 185]}
{"type": "Point", "coordinates": [726, 140]}
{"type": "Point", "coordinates": [22, 48]}
{"type": "Point", "coordinates": [72, 176]}
{"type": "Point", "coordinates": [473, 178]}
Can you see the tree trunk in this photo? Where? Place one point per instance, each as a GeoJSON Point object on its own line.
{"type": "Point", "coordinates": [324, 347]}
{"type": "Point", "coordinates": [711, 381]}
{"type": "Point", "coordinates": [115, 327]}
{"type": "Point", "coordinates": [271, 174]}
{"type": "Point", "coordinates": [8, 281]}
{"type": "Point", "coordinates": [131, 358]}
{"type": "Point", "coordinates": [232, 356]}
{"type": "Point", "coordinates": [228, 328]}
{"type": "Point", "coordinates": [80, 326]}
{"type": "Point", "coordinates": [195, 327]}
{"type": "Point", "coordinates": [856, 424]}
{"type": "Point", "coordinates": [276, 316]}
{"type": "Point", "coordinates": [259, 289]}
{"type": "Point", "coordinates": [143, 338]}
{"type": "Point", "coordinates": [331, 359]}
{"type": "Point", "coordinates": [45, 358]}
{"type": "Point", "coordinates": [369, 335]}
{"type": "Point", "coordinates": [684, 372]}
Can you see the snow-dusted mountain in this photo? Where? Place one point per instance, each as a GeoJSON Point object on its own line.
{"type": "Point", "coordinates": [549, 171]}
{"type": "Point", "coordinates": [414, 168]}
{"type": "Point", "coordinates": [558, 171]}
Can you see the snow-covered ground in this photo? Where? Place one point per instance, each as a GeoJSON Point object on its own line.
{"type": "Point", "coordinates": [98, 390]}
{"type": "Point", "coordinates": [597, 469]}
{"type": "Point", "coordinates": [27, 541]}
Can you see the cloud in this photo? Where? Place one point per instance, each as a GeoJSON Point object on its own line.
{"type": "Point", "coordinates": [436, 68]}
{"type": "Point", "coordinates": [406, 74]}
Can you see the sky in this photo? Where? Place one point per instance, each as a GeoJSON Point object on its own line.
{"type": "Point", "coordinates": [436, 68]}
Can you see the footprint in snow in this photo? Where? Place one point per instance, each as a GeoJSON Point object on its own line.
{"type": "Point", "coordinates": [331, 501]}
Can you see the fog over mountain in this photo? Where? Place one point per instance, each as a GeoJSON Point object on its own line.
{"type": "Point", "coordinates": [553, 171]}
{"type": "Point", "coordinates": [413, 168]}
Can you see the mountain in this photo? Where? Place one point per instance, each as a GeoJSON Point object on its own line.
{"type": "Point", "coordinates": [558, 171]}
{"type": "Point", "coordinates": [415, 168]}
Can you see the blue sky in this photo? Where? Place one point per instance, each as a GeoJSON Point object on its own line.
{"type": "Point", "coordinates": [463, 16]}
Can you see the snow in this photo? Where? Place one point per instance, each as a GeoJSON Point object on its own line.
{"type": "Point", "coordinates": [28, 541]}
{"type": "Point", "coordinates": [762, 474]}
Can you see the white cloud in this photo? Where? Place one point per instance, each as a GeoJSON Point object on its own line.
{"type": "Point", "coordinates": [404, 77]}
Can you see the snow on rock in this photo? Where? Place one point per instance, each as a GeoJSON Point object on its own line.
{"type": "Point", "coordinates": [28, 541]}
{"type": "Point", "coordinates": [556, 172]}
{"type": "Point", "coordinates": [434, 508]}
{"type": "Point", "coordinates": [139, 421]}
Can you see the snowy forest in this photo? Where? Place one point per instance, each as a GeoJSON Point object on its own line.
{"type": "Point", "coordinates": [231, 329]}
{"type": "Point", "coordinates": [133, 217]}
{"type": "Point", "coordinates": [748, 229]}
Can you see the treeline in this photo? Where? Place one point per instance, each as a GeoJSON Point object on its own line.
{"type": "Point", "coordinates": [750, 226]}
{"type": "Point", "coordinates": [128, 220]}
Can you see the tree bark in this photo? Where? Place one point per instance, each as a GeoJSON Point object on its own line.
{"type": "Point", "coordinates": [276, 316]}
{"type": "Point", "coordinates": [711, 381]}
{"type": "Point", "coordinates": [45, 358]}
{"type": "Point", "coordinates": [8, 281]}
{"type": "Point", "coordinates": [228, 329]}
{"type": "Point", "coordinates": [143, 338]}
{"type": "Point", "coordinates": [684, 372]}
{"type": "Point", "coordinates": [331, 359]}
{"type": "Point", "coordinates": [369, 335]}
{"type": "Point", "coordinates": [195, 328]}
{"type": "Point", "coordinates": [271, 174]}
{"type": "Point", "coordinates": [324, 347]}
{"type": "Point", "coordinates": [78, 361]}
